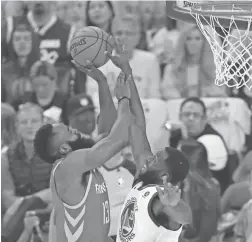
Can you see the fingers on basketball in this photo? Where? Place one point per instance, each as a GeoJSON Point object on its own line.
{"type": "Point", "coordinates": [89, 66]}
{"type": "Point", "coordinates": [108, 54]}
{"type": "Point", "coordinates": [75, 63]}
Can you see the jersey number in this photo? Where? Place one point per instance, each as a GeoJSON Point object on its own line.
{"type": "Point", "coordinates": [49, 56]}
{"type": "Point", "coordinates": [106, 214]}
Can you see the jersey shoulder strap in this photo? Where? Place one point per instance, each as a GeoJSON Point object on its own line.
{"type": "Point", "coordinates": [86, 192]}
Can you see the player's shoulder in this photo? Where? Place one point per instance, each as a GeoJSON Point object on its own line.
{"type": "Point", "coordinates": [72, 159]}
{"type": "Point", "coordinates": [146, 190]}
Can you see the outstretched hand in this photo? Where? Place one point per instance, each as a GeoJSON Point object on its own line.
{"type": "Point", "coordinates": [122, 88]}
{"type": "Point", "coordinates": [120, 59]}
{"type": "Point", "coordinates": [90, 70]}
{"type": "Point", "coordinates": [170, 195]}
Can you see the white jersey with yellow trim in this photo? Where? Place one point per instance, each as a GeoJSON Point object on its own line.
{"type": "Point", "coordinates": [137, 223]}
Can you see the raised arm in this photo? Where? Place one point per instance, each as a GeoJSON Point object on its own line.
{"type": "Point", "coordinates": [121, 61]}
{"type": "Point", "coordinates": [108, 111]}
{"type": "Point", "coordinates": [140, 147]}
{"type": "Point", "coordinates": [138, 139]}
{"type": "Point", "coordinates": [85, 160]}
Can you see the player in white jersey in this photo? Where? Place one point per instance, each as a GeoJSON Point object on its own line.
{"type": "Point", "coordinates": [151, 213]}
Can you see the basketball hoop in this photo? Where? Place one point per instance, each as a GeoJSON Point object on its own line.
{"type": "Point", "coordinates": [233, 54]}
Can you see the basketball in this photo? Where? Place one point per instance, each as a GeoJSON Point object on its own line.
{"type": "Point", "coordinates": [90, 43]}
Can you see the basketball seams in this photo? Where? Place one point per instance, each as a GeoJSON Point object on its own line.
{"type": "Point", "coordinates": [95, 31]}
{"type": "Point", "coordinates": [81, 31]}
{"type": "Point", "coordinates": [99, 48]}
{"type": "Point", "coordinates": [106, 60]}
{"type": "Point", "coordinates": [86, 48]}
{"type": "Point", "coordinates": [96, 38]}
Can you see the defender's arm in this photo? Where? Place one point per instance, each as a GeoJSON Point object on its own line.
{"type": "Point", "coordinates": [87, 159]}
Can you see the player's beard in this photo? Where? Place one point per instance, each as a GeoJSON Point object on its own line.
{"type": "Point", "coordinates": [151, 177]}
{"type": "Point", "coordinates": [79, 143]}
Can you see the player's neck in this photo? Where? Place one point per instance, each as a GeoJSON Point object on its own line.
{"type": "Point", "coordinates": [42, 20]}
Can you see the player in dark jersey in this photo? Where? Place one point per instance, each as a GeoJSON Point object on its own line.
{"type": "Point", "coordinates": [165, 171]}
{"type": "Point", "coordinates": [79, 193]}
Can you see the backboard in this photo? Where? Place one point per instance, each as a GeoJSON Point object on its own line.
{"type": "Point", "coordinates": [181, 10]}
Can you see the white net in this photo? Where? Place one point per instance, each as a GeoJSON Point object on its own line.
{"type": "Point", "coordinates": [232, 50]}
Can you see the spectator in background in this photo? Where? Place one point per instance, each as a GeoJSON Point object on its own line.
{"type": "Point", "coordinates": [76, 13]}
{"type": "Point", "coordinates": [202, 193]}
{"type": "Point", "coordinates": [25, 177]}
{"type": "Point", "coordinates": [127, 9]}
{"type": "Point", "coordinates": [8, 126]}
{"type": "Point", "coordinates": [100, 14]}
{"type": "Point", "coordinates": [45, 94]}
{"type": "Point", "coordinates": [15, 8]}
{"type": "Point", "coordinates": [23, 51]}
{"type": "Point", "coordinates": [54, 42]}
{"type": "Point", "coordinates": [147, 21]}
{"type": "Point", "coordinates": [81, 116]}
{"type": "Point", "coordinates": [235, 196]}
{"type": "Point", "coordinates": [193, 70]}
{"type": "Point", "coordinates": [144, 65]}
{"type": "Point", "coordinates": [243, 170]}
{"type": "Point", "coordinates": [238, 194]}
{"type": "Point", "coordinates": [62, 9]}
{"type": "Point", "coordinates": [31, 223]}
{"type": "Point", "coordinates": [162, 42]}
{"type": "Point", "coordinates": [23, 173]}
{"type": "Point", "coordinates": [243, 227]}
{"type": "Point", "coordinates": [193, 125]}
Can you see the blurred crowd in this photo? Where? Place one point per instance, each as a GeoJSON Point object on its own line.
{"type": "Point", "coordinates": [174, 70]}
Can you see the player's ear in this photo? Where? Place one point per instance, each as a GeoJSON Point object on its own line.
{"type": "Point", "coordinates": [65, 149]}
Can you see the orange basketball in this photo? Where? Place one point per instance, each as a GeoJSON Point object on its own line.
{"type": "Point", "coordinates": [90, 43]}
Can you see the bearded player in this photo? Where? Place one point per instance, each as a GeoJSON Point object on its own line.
{"type": "Point", "coordinates": [153, 210]}
{"type": "Point", "coordinates": [79, 193]}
